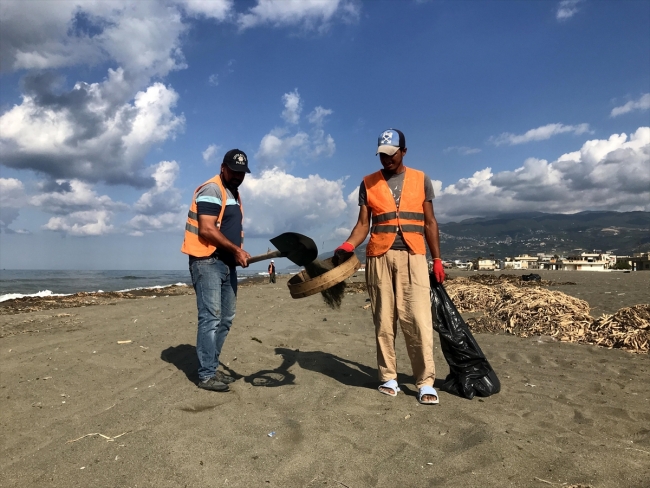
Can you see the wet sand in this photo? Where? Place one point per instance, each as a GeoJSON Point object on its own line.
{"type": "Point", "coordinates": [567, 413]}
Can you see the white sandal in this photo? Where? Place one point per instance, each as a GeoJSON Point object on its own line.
{"type": "Point", "coordinates": [390, 385]}
{"type": "Point", "coordinates": [428, 390]}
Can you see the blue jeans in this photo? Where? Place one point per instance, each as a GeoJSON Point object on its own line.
{"type": "Point", "coordinates": [215, 284]}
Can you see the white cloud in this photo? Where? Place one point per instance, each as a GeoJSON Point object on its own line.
{"type": "Point", "coordinates": [643, 103]}
{"type": "Point", "coordinates": [276, 202]}
{"type": "Point", "coordinates": [292, 107]}
{"type": "Point", "coordinates": [462, 150]}
{"type": "Point", "coordinates": [308, 14]}
{"type": "Point", "coordinates": [209, 153]}
{"type": "Point", "coordinates": [163, 197]}
{"type": "Point", "coordinates": [94, 131]}
{"type": "Point", "coordinates": [567, 9]}
{"type": "Point", "coordinates": [64, 197]}
{"type": "Point", "coordinates": [86, 223]}
{"type": "Point", "coordinates": [350, 217]}
{"type": "Point", "coordinates": [280, 144]}
{"type": "Point", "coordinates": [605, 174]}
{"type": "Point", "coordinates": [143, 37]}
{"type": "Point", "coordinates": [215, 9]}
{"type": "Point", "coordinates": [213, 79]}
{"type": "Point", "coordinates": [275, 147]}
{"type": "Point", "coordinates": [166, 222]}
{"type": "Point", "coordinates": [538, 134]}
{"type": "Point", "coordinates": [78, 209]}
{"type": "Point", "coordinates": [317, 116]}
{"type": "Point", "coordinates": [12, 198]}
{"type": "Point", "coordinates": [90, 133]}
{"type": "Point", "coordinates": [159, 209]}
{"type": "Point", "coordinates": [278, 148]}
{"type": "Point", "coordinates": [11, 192]}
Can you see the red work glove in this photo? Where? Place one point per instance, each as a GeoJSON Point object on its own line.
{"type": "Point", "coordinates": [345, 247]}
{"type": "Point", "coordinates": [438, 270]}
{"type": "Point", "coordinates": [341, 252]}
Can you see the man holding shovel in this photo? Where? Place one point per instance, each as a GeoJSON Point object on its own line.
{"type": "Point", "coordinates": [213, 241]}
{"type": "Point", "coordinates": [398, 202]}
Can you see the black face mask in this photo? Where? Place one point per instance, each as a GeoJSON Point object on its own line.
{"type": "Point", "coordinates": [228, 184]}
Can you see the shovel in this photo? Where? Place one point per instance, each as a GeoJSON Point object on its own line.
{"type": "Point", "coordinates": [298, 248]}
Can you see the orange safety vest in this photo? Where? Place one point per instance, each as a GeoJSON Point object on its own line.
{"type": "Point", "coordinates": [387, 219]}
{"type": "Point", "coordinates": [193, 244]}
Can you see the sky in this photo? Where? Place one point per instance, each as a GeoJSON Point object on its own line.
{"type": "Point", "coordinates": [112, 113]}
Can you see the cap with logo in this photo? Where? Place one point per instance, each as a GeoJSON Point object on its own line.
{"type": "Point", "coordinates": [236, 160]}
{"type": "Point", "coordinates": [390, 141]}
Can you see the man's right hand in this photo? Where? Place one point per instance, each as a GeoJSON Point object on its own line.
{"type": "Point", "coordinates": [341, 252]}
{"type": "Point", "coordinates": [241, 258]}
{"type": "Point", "coordinates": [345, 247]}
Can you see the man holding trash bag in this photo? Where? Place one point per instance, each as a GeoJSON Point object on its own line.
{"type": "Point", "coordinates": [397, 201]}
{"type": "Point", "coordinates": [214, 238]}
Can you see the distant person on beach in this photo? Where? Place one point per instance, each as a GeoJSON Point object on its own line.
{"type": "Point", "coordinates": [213, 241]}
{"type": "Point", "coordinates": [272, 272]}
{"type": "Point", "coordinates": [398, 202]}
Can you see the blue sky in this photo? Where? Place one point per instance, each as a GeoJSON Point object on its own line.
{"type": "Point", "coordinates": [111, 113]}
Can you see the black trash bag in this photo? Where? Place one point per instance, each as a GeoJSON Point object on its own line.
{"type": "Point", "coordinates": [470, 372]}
{"type": "Point", "coordinates": [531, 277]}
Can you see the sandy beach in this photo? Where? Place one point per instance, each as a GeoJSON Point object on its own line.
{"type": "Point", "coordinates": [305, 411]}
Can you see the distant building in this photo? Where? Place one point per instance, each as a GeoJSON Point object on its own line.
{"type": "Point", "coordinates": [546, 261]}
{"type": "Point", "coordinates": [527, 262]}
{"type": "Point", "coordinates": [641, 261]}
{"type": "Point", "coordinates": [510, 263]}
{"type": "Point", "coordinates": [486, 264]}
{"type": "Point", "coordinates": [586, 262]}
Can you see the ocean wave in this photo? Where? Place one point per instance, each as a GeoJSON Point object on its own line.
{"type": "Point", "coordinates": [156, 287]}
{"type": "Point", "coordinates": [40, 294]}
{"type": "Point", "coordinates": [48, 293]}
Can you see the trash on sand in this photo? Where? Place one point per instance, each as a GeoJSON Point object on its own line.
{"type": "Point", "coordinates": [124, 342]}
{"type": "Point", "coordinates": [531, 277]}
{"type": "Point", "coordinates": [470, 373]}
{"type": "Point", "coordinates": [271, 434]}
{"type": "Point", "coordinates": [523, 309]}
{"type": "Point", "coordinates": [108, 439]}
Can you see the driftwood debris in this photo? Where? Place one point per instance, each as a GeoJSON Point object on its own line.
{"type": "Point", "coordinates": [526, 310]}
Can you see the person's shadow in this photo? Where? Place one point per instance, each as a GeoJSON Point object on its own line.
{"type": "Point", "coordinates": [345, 371]}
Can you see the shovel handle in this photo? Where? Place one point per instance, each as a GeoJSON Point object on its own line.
{"type": "Point", "coordinates": [262, 257]}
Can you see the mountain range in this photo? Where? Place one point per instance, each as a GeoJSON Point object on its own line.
{"type": "Point", "coordinates": [622, 233]}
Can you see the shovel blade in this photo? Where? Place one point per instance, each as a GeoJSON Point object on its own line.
{"type": "Point", "coordinates": [298, 248]}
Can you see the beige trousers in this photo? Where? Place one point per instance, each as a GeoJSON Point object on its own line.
{"type": "Point", "coordinates": [398, 285]}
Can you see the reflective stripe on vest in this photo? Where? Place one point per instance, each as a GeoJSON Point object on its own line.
{"type": "Point", "coordinates": [195, 245]}
{"type": "Point", "coordinates": [387, 219]}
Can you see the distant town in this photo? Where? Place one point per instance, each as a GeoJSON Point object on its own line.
{"type": "Point", "coordinates": [579, 260]}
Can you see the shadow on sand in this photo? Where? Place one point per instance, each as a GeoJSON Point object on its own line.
{"type": "Point", "coordinates": [345, 371]}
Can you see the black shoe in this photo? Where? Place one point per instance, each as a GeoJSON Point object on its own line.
{"type": "Point", "coordinates": [213, 384]}
{"type": "Point", "coordinates": [223, 377]}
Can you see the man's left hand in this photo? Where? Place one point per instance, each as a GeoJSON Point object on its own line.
{"type": "Point", "coordinates": [438, 271]}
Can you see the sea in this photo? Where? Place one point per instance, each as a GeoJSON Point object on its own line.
{"type": "Point", "coordinates": [16, 283]}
